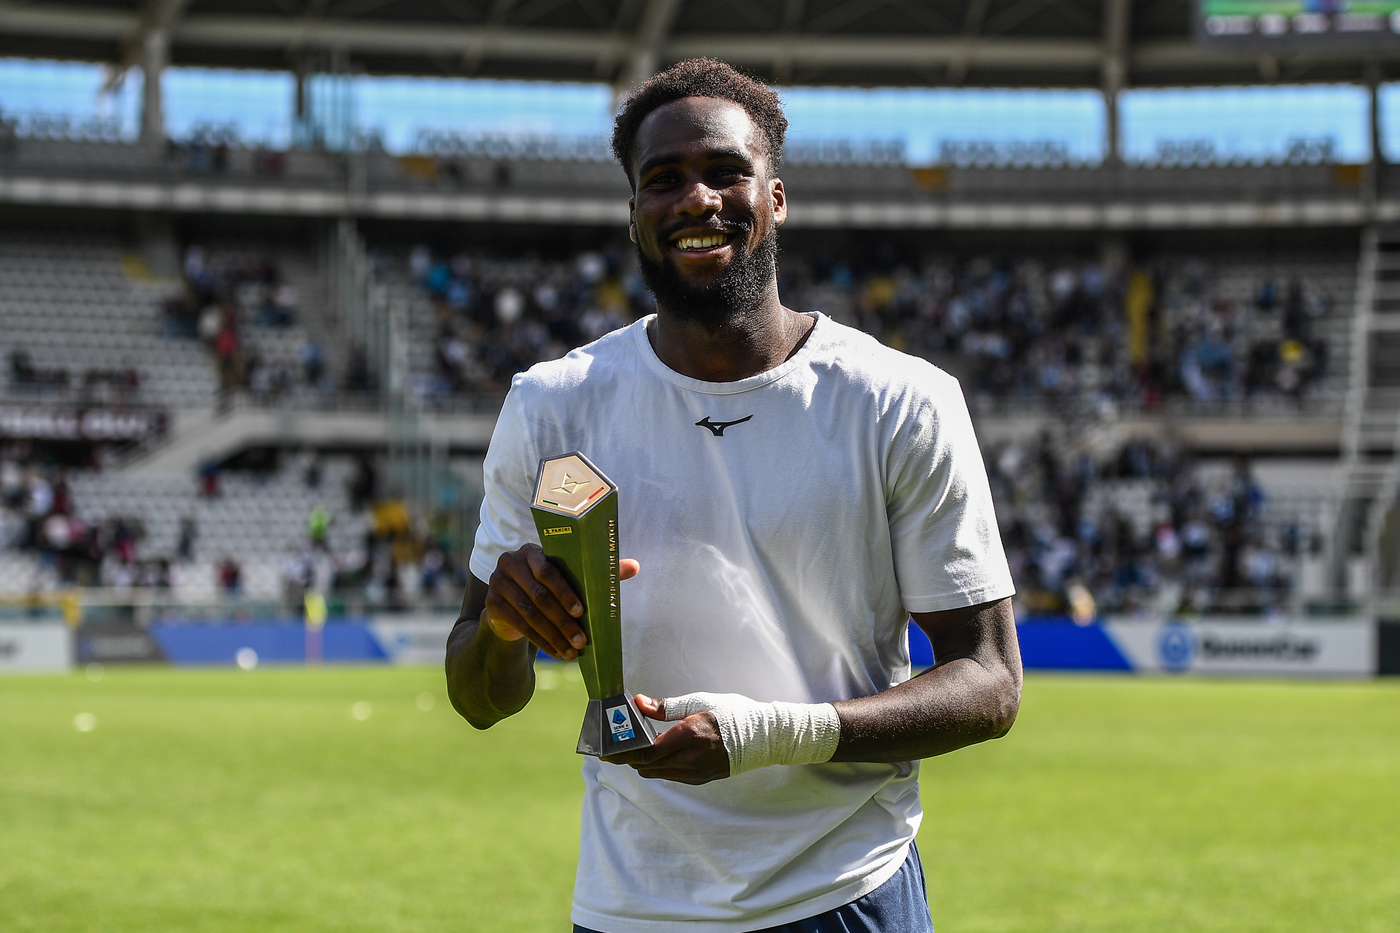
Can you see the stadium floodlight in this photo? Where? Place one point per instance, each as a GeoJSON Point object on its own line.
{"type": "Point", "coordinates": [575, 511]}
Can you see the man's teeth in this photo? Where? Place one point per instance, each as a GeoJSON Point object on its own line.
{"type": "Point", "coordinates": [699, 242]}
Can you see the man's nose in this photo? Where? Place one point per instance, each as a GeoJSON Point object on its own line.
{"type": "Point", "coordinates": [698, 199]}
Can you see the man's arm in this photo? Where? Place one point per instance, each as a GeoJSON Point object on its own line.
{"type": "Point", "coordinates": [971, 694]}
{"type": "Point", "coordinates": [527, 605]}
{"type": "Point", "coordinates": [488, 677]}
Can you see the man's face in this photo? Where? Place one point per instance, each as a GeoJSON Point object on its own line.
{"type": "Point", "coordinates": [705, 213]}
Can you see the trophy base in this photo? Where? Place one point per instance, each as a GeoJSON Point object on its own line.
{"type": "Point", "coordinates": [613, 726]}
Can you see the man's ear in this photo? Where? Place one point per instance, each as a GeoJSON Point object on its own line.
{"type": "Point", "coordinates": [779, 199]}
{"type": "Point", "coordinates": [632, 219]}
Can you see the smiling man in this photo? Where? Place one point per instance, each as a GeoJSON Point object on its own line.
{"type": "Point", "coordinates": [794, 491]}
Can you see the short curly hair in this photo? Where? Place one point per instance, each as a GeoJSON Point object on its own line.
{"type": "Point", "coordinates": [701, 77]}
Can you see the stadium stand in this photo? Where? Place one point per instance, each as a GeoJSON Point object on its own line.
{"type": "Point", "coordinates": [85, 322]}
{"type": "Point", "coordinates": [70, 308]}
{"type": "Point", "coordinates": [1156, 320]}
{"type": "Point", "coordinates": [1233, 332]}
{"type": "Point", "coordinates": [259, 532]}
{"type": "Point", "coordinates": [1146, 528]}
{"type": "Point", "coordinates": [264, 322]}
{"type": "Point", "coordinates": [1139, 527]}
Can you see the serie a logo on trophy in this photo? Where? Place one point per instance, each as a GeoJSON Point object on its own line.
{"type": "Point", "coordinates": [575, 511]}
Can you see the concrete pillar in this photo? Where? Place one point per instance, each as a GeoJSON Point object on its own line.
{"type": "Point", "coordinates": [1116, 15]}
{"type": "Point", "coordinates": [1373, 85]}
{"type": "Point", "coordinates": [1112, 133]}
{"type": "Point", "coordinates": [645, 57]}
{"type": "Point", "coordinates": [1371, 176]}
{"type": "Point", "coordinates": [155, 54]}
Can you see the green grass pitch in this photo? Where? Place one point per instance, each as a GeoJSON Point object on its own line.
{"type": "Point", "coordinates": [231, 801]}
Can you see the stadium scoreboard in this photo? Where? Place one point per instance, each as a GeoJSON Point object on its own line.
{"type": "Point", "coordinates": [1298, 25]}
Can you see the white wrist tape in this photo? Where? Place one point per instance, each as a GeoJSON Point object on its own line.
{"type": "Point", "coordinates": [757, 735]}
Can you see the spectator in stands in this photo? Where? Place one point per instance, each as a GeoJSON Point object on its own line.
{"type": "Point", "coordinates": [21, 369]}
{"type": "Point", "coordinates": [278, 307]}
{"type": "Point", "coordinates": [12, 484]}
{"type": "Point", "coordinates": [227, 349]}
{"type": "Point", "coordinates": [209, 479]}
{"type": "Point", "coordinates": [317, 524]}
{"type": "Point", "coordinates": [295, 575]}
{"type": "Point", "coordinates": [230, 577]}
{"type": "Point", "coordinates": [25, 375]}
{"type": "Point", "coordinates": [268, 161]}
{"type": "Point", "coordinates": [364, 483]}
{"type": "Point", "coordinates": [358, 377]}
{"type": "Point", "coordinates": [315, 469]}
{"type": "Point", "coordinates": [189, 533]}
{"type": "Point", "coordinates": [313, 362]}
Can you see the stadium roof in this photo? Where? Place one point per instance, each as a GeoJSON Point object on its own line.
{"type": "Point", "coordinates": [989, 43]}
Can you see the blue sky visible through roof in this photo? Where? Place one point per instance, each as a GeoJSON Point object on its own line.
{"type": "Point", "coordinates": [1238, 123]}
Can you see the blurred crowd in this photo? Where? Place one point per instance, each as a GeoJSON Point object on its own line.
{"type": "Point", "coordinates": [39, 516]}
{"type": "Point", "coordinates": [1010, 328]}
{"type": "Point", "coordinates": [399, 561]}
{"type": "Point", "coordinates": [493, 319]}
{"type": "Point", "coordinates": [1022, 329]}
{"type": "Point", "coordinates": [221, 300]}
{"type": "Point", "coordinates": [115, 385]}
{"type": "Point", "coordinates": [1140, 529]}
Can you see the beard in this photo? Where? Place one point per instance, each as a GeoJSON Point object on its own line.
{"type": "Point", "coordinates": [738, 290]}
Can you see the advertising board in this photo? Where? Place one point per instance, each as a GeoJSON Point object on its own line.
{"type": "Point", "coordinates": [413, 639]}
{"type": "Point", "coordinates": [1239, 647]}
{"type": "Point", "coordinates": [30, 646]}
{"type": "Point", "coordinates": [116, 643]}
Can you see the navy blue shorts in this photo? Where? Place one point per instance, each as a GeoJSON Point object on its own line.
{"type": "Point", "coordinates": [900, 905]}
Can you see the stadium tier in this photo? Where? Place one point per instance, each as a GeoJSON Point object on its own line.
{"type": "Point", "coordinates": [178, 309]}
{"type": "Point", "coordinates": [78, 327]}
{"type": "Point", "coordinates": [260, 535]}
{"type": "Point", "coordinates": [1237, 332]}
{"type": "Point", "coordinates": [86, 323]}
{"type": "Point", "coordinates": [1059, 352]}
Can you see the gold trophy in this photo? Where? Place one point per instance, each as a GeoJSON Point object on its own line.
{"type": "Point", "coordinates": [575, 510]}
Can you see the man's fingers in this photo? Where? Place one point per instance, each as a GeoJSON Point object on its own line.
{"type": "Point", "coordinates": [667, 743]}
{"type": "Point", "coordinates": [548, 576]}
{"type": "Point", "coordinates": [627, 568]}
{"type": "Point", "coordinates": [650, 755]}
{"type": "Point", "coordinates": [504, 630]}
{"type": "Point", "coordinates": [536, 591]}
{"type": "Point", "coordinates": [651, 708]}
{"type": "Point", "coordinates": [529, 598]}
{"type": "Point", "coordinates": [510, 604]}
{"type": "Point", "coordinates": [687, 753]}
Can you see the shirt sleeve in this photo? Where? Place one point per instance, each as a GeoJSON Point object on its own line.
{"type": "Point", "coordinates": [508, 479]}
{"type": "Point", "coordinates": [943, 527]}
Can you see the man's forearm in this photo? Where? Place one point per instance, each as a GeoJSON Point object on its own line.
{"type": "Point", "coordinates": [488, 678]}
{"type": "Point", "coordinates": [971, 696]}
{"type": "Point", "coordinates": [945, 708]}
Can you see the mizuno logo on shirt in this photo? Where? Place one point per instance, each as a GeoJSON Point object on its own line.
{"type": "Point", "coordinates": [717, 427]}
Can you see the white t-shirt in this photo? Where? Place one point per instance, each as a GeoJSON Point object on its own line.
{"type": "Point", "coordinates": [780, 559]}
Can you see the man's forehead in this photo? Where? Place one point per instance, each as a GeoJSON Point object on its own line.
{"type": "Point", "coordinates": [706, 121]}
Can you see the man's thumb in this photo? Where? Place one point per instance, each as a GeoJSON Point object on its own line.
{"type": "Point", "coordinates": [653, 709]}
